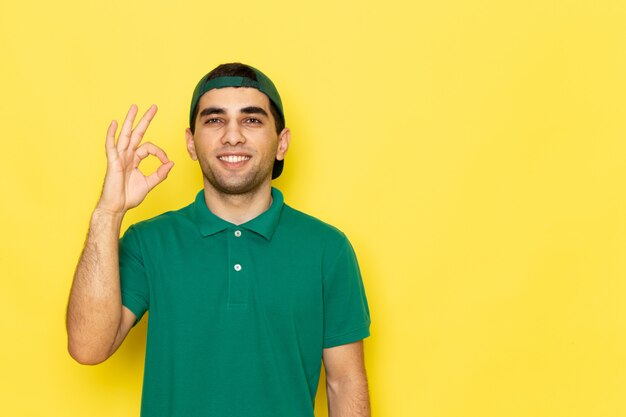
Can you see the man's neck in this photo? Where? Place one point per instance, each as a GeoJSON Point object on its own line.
{"type": "Point", "coordinates": [239, 208]}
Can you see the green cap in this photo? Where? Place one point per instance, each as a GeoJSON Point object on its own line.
{"type": "Point", "coordinates": [262, 83]}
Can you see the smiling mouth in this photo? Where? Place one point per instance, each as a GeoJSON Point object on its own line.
{"type": "Point", "coordinates": [233, 159]}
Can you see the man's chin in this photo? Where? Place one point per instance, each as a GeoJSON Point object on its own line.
{"type": "Point", "coordinates": [235, 185]}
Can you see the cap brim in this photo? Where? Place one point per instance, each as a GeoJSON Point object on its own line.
{"type": "Point", "coordinates": [278, 168]}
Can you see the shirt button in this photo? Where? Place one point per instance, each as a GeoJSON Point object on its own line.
{"type": "Point", "coordinates": [237, 233]}
{"type": "Point", "coordinates": [237, 267]}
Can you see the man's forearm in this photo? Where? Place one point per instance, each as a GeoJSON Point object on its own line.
{"type": "Point", "coordinates": [95, 307]}
{"type": "Point", "coordinates": [348, 397]}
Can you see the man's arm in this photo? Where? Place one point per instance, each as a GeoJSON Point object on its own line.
{"type": "Point", "coordinates": [94, 312]}
{"type": "Point", "coordinates": [97, 323]}
{"type": "Point", "coordinates": [346, 381]}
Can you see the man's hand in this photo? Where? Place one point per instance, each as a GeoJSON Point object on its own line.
{"type": "Point", "coordinates": [125, 186]}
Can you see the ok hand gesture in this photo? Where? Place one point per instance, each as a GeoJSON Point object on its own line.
{"type": "Point", "coordinates": [125, 186]}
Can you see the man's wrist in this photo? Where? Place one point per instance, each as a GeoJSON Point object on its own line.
{"type": "Point", "coordinates": [102, 216]}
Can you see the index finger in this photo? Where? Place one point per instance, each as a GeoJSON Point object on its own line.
{"type": "Point", "coordinates": [142, 126]}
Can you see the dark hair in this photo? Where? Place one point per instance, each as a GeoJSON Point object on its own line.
{"type": "Point", "coordinates": [237, 69]}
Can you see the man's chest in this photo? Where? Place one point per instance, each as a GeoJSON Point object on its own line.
{"type": "Point", "coordinates": [230, 274]}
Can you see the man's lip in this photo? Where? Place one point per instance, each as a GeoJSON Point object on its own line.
{"type": "Point", "coordinates": [219, 155]}
{"type": "Point", "coordinates": [233, 158]}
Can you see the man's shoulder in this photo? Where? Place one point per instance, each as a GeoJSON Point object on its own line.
{"type": "Point", "coordinates": [166, 220]}
{"type": "Point", "coordinates": [302, 223]}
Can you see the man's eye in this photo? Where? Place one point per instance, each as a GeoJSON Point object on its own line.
{"type": "Point", "coordinates": [210, 121]}
{"type": "Point", "coordinates": [252, 120]}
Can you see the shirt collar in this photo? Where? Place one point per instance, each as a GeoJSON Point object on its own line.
{"type": "Point", "coordinates": [264, 224]}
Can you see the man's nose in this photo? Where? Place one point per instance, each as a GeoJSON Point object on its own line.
{"type": "Point", "coordinates": [233, 134]}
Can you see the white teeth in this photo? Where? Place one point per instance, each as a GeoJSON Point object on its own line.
{"type": "Point", "coordinates": [234, 158]}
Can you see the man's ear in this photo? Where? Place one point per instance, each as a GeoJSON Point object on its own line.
{"type": "Point", "coordinates": [191, 146]}
{"type": "Point", "coordinates": [283, 143]}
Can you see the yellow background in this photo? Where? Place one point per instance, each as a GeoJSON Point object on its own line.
{"type": "Point", "coordinates": [471, 150]}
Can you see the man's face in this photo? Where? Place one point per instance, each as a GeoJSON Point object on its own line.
{"type": "Point", "coordinates": [235, 139]}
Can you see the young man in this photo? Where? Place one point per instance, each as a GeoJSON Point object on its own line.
{"type": "Point", "coordinates": [246, 295]}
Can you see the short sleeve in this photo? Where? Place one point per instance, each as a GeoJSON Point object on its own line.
{"type": "Point", "coordinates": [346, 311]}
{"type": "Point", "coordinates": [133, 277]}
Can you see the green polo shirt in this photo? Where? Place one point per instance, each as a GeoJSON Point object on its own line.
{"type": "Point", "coordinates": [239, 314]}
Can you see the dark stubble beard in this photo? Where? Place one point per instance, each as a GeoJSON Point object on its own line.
{"type": "Point", "coordinates": [239, 185]}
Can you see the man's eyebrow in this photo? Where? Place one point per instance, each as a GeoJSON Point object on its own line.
{"type": "Point", "coordinates": [254, 110]}
{"type": "Point", "coordinates": [212, 110]}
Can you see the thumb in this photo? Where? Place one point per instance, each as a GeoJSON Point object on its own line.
{"type": "Point", "coordinates": [159, 175]}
